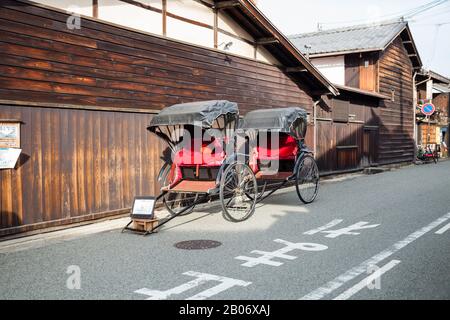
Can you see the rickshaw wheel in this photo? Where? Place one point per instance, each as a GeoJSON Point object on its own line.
{"type": "Point", "coordinates": [307, 179]}
{"type": "Point", "coordinates": [177, 202]}
{"type": "Point", "coordinates": [238, 192]}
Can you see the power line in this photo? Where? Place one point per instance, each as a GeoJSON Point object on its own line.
{"type": "Point", "coordinates": [425, 8]}
{"type": "Point", "coordinates": [434, 15]}
{"type": "Point", "coordinates": [408, 14]}
{"type": "Point", "coordinates": [433, 24]}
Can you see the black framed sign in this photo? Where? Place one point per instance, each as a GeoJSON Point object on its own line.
{"type": "Point", "coordinates": [143, 208]}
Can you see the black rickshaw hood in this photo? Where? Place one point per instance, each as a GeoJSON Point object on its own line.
{"type": "Point", "coordinates": [292, 120]}
{"type": "Point", "coordinates": [202, 113]}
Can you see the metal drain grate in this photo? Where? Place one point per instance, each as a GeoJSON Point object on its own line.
{"type": "Point", "coordinates": [197, 244]}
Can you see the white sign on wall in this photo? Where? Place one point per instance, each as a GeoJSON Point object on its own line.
{"type": "Point", "coordinates": [9, 134]}
{"type": "Point", "coordinates": [9, 157]}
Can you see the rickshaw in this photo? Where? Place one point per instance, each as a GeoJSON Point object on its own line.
{"type": "Point", "coordinates": [199, 135]}
{"type": "Point", "coordinates": [273, 154]}
{"type": "Point", "coordinates": [211, 158]}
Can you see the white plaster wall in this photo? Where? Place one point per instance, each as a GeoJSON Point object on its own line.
{"type": "Point", "coordinates": [187, 32]}
{"type": "Point", "coordinates": [239, 47]}
{"type": "Point", "coordinates": [264, 56]}
{"type": "Point", "coordinates": [228, 24]}
{"type": "Point", "coordinates": [130, 16]}
{"type": "Point", "coordinates": [332, 67]}
{"type": "Point", "coordinates": [191, 10]}
{"type": "Point", "coordinates": [83, 7]}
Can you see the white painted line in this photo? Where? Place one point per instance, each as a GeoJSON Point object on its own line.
{"type": "Point", "coordinates": [226, 283]}
{"type": "Point", "coordinates": [350, 230]}
{"type": "Point", "coordinates": [444, 229]}
{"type": "Point", "coordinates": [327, 226]}
{"type": "Point", "coordinates": [202, 278]}
{"type": "Point", "coordinates": [266, 257]}
{"type": "Point", "coordinates": [356, 271]}
{"type": "Point", "coordinates": [364, 283]}
{"type": "Point", "coordinates": [275, 254]}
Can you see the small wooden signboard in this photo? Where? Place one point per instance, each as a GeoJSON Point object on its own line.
{"type": "Point", "coordinates": [142, 216]}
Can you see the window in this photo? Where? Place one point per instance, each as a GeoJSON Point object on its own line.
{"type": "Point", "coordinates": [340, 110]}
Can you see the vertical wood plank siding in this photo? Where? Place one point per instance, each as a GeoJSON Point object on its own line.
{"type": "Point", "coordinates": [75, 164]}
{"type": "Point", "coordinates": [341, 145]}
{"type": "Point", "coordinates": [81, 164]}
{"type": "Point", "coordinates": [396, 131]}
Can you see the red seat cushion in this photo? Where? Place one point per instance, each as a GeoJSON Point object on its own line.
{"type": "Point", "coordinates": [287, 149]}
{"type": "Point", "coordinates": [210, 154]}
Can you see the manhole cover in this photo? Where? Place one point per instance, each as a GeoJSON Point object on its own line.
{"type": "Point", "coordinates": [197, 244]}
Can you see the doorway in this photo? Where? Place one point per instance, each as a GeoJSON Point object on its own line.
{"type": "Point", "coordinates": [369, 155]}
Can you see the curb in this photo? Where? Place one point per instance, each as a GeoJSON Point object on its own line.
{"type": "Point", "coordinates": [41, 240]}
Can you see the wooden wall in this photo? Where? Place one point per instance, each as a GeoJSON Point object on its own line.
{"type": "Point", "coordinates": [442, 103]}
{"type": "Point", "coordinates": [42, 60]}
{"type": "Point", "coordinates": [347, 144]}
{"type": "Point", "coordinates": [396, 131]}
{"type": "Point", "coordinates": [80, 164]}
{"type": "Point", "coordinates": [76, 164]}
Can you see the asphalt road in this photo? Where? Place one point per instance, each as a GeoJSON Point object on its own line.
{"type": "Point", "coordinates": [404, 216]}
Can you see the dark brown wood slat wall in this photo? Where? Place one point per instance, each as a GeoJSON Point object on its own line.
{"type": "Point", "coordinates": [396, 129]}
{"type": "Point", "coordinates": [76, 164]}
{"type": "Point", "coordinates": [105, 65]}
{"type": "Point", "coordinates": [340, 145]}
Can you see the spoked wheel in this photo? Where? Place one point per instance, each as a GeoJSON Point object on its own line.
{"type": "Point", "coordinates": [238, 192]}
{"type": "Point", "coordinates": [260, 195]}
{"type": "Point", "coordinates": [177, 202]}
{"type": "Point", "coordinates": [307, 180]}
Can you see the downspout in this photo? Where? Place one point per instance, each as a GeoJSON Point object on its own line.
{"type": "Point", "coordinates": [315, 127]}
{"type": "Point", "coordinates": [415, 100]}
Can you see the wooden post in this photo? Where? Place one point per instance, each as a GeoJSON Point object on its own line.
{"type": "Point", "coordinates": [216, 28]}
{"type": "Point", "coordinates": [95, 8]}
{"type": "Point", "coordinates": [164, 17]}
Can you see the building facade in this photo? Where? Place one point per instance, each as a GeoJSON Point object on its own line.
{"type": "Point", "coordinates": [378, 63]}
{"type": "Point", "coordinates": [433, 131]}
{"type": "Point", "coordinates": [84, 82]}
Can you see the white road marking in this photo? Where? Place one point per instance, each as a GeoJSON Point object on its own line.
{"type": "Point", "coordinates": [444, 229]}
{"type": "Point", "coordinates": [356, 271]}
{"type": "Point", "coordinates": [266, 257]}
{"type": "Point", "coordinates": [226, 283]}
{"type": "Point", "coordinates": [325, 227]}
{"type": "Point", "coordinates": [350, 230]}
{"type": "Point", "coordinates": [364, 283]}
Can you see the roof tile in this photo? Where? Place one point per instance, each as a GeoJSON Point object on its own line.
{"type": "Point", "coordinates": [354, 38]}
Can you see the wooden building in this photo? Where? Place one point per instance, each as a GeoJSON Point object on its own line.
{"type": "Point", "coordinates": [433, 88]}
{"type": "Point", "coordinates": [372, 121]}
{"type": "Point", "coordinates": [83, 83]}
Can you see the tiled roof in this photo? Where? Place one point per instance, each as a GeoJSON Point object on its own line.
{"type": "Point", "coordinates": [350, 39]}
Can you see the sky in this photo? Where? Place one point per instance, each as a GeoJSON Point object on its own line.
{"type": "Point", "coordinates": [430, 28]}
